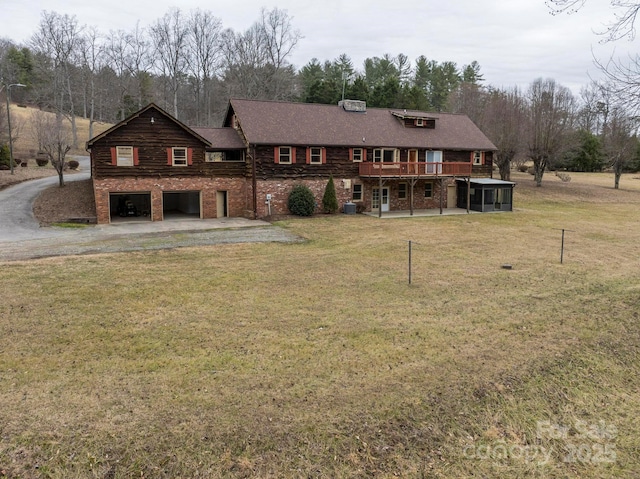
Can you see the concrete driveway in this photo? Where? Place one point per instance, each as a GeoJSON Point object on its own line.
{"type": "Point", "coordinates": [21, 236]}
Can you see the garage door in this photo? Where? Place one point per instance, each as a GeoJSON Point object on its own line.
{"type": "Point", "coordinates": [178, 204]}
{"type": "Point", "coordinates": [127, 206]}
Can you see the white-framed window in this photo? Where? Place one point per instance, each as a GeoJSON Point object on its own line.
{"type": "Point", "coordinates": [179, 156]}
{"type": "Point", "coordinates": [315, 155]}
{"type": "Point", "coordinates": [428, 190]}
{"type": "Point", "coordinates": [357, 192]}
{"type": "Point", "coordinates": [357, 154]}
{"type": "Point", "coordinates": [285, 153]}
{"type": "Point", "coordinates": [402, 191]}
{"type": "Point", "coordinates": [124, 155]}
{"type": "Point", "coordinates": [419, 122]}
{"type": "Point", "coordinates": [386, 155]}
{"type": "Point", "coordinates": [477, 157]}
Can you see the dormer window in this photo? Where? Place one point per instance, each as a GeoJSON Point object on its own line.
{"type": "Point", "coordinates": [419, 122]}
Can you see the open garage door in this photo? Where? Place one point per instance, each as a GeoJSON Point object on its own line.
{"type": "Point", "coordinates": [180, 204]}
{"type": "Point", "coordinates": [129, 206]}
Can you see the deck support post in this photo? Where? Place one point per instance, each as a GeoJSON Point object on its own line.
{"type": "Point", "coordinates": [468, 193]}
{"type": "Point", "coordinates": [412, 183]}
{"type": "Point", "coordinates": [380, 194]}
{"type": "Point", "coordinates": [441, 192]}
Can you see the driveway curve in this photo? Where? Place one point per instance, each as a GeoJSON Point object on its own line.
{"type": "Point", "coordinates": [22, 238]}
{"type": "Point", "coordinates": [17, 222]}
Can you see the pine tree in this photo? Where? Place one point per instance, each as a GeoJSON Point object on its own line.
{"type": "Point", "coordinates": [330, 200]}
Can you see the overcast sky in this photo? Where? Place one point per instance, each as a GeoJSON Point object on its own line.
{"type": "Point", "coordinates": [514, 41]}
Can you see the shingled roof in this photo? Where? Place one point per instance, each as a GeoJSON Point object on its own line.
{"type": "Point", "coordinates": [286, 123]}
{"type": "Point", "coordinates": [221, 138]}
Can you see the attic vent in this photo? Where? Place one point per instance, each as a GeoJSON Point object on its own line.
{"type": "Point", "coordinates": [353, 105]}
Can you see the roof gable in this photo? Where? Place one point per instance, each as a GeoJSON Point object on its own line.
{"type": "Point", "coordinates": [286, 123]}
{"type": "Point", "coordinates": [156, 110]}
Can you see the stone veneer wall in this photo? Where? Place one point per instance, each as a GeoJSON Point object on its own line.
{"type": "Point", "coordinates": [238, 202]}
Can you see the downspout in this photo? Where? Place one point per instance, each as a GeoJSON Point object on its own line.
{"type": "Point", "coordinates": [254, 182]}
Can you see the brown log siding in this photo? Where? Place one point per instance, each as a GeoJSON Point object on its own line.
{"type": "Point", "coordinates": [151, 142]}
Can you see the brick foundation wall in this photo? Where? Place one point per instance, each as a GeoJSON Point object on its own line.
{"type": "Point", "coordinates": [240, 195]}
{"type": "Point", "coordinates": [280, 189]}
{"type": "Point", "coordinates": [420, 202]}
{"type": "Point", "coordinates": [238, 202]}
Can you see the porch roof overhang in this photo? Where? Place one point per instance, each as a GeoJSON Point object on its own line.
{"type": "Point", "coordinates": [489, 182]}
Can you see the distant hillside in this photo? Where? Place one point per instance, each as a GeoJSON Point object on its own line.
{"type": "Point", "coordinates": [26, 145]}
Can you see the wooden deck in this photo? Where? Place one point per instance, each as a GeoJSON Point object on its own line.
{"type": "Point", "coordinates": [415, 169]}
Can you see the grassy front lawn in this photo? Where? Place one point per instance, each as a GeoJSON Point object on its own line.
{"type": "Point", "coordinates": [319, 360]}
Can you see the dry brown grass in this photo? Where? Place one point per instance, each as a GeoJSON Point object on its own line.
{"type": "Point", "coordinates": [26, 142]}
{"type": "Point", "coordinates": [318, 360]}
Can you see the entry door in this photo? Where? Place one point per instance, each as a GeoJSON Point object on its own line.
{"type": "Point", "coordinates": [413, 159]}
{"type": "Point", "coordinates": [375, 199]}
{"type": "Point", "coordinates": [221, 204]}
{"type": "Point", "coordinates": [451, 196]}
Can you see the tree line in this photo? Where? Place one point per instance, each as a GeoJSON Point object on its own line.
{"type": "Point", "coordinates": [190, 65]}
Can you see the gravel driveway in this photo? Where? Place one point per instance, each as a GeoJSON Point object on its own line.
{"type": "Point", "coordinates": [92, 240]}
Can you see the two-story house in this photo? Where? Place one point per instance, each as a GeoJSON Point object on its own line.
{"type": "Point", "coordinates": [153, 165]}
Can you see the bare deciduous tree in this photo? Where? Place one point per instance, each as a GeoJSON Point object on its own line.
{"type": "Point", "coordinates": [170, 36]}
{"type": "Point", "coordinates": [58, 38]}
{"type": "Point", "coordinates": [256, 61]}
{"type": "Point", "coordinates": [53, 139]}
{"type": "Point", "coordinates": [505, 125]}
{"type": "Point", "coordinates": [620, 141]}
{"type": "Point", "coordinates": [91, 51]}
{"type": "Point", "coordinates": [205, 52]}
{"type": "Point", "coordinates": [500, 114]}
{"type": "Point", "coordinates": [623, 24]}
{"type": "Point", "coordinates": [550, 117]}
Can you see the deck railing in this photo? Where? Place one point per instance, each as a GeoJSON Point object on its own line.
{"type": "Point", "coordinates": [448, 168]}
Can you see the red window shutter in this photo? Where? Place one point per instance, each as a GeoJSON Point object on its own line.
{"type": "Point", "coordinates": [364, 154]}
{"type": "Point", "coordinates": [276, 154]}
{"type": "Point", "coordinates": [136, 160]}
{"type": "Point", "coordinates": [189, 156]}
{"type": "Point", "coordinates": [308, 155]}
{"type": "Point", "coordinates": [114, 156]}
{"type": "Point", "coordinates": [350, 154]}
{"type": "Point", "coordinates": [293, 155]}
{"type": "Point", "coordinates": [482, 158]}
{"type": "Point", "coordinates": [169, 156]}
{"type": "Point", "coordinates": [472, 156]}
{"type": "Point", "coordinates": [324, 155]}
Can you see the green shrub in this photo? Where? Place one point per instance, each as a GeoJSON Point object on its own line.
{"type": "Point", "coordinates": [301, 201]}
{"type": "Point", "coordinates": [330, 200]}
